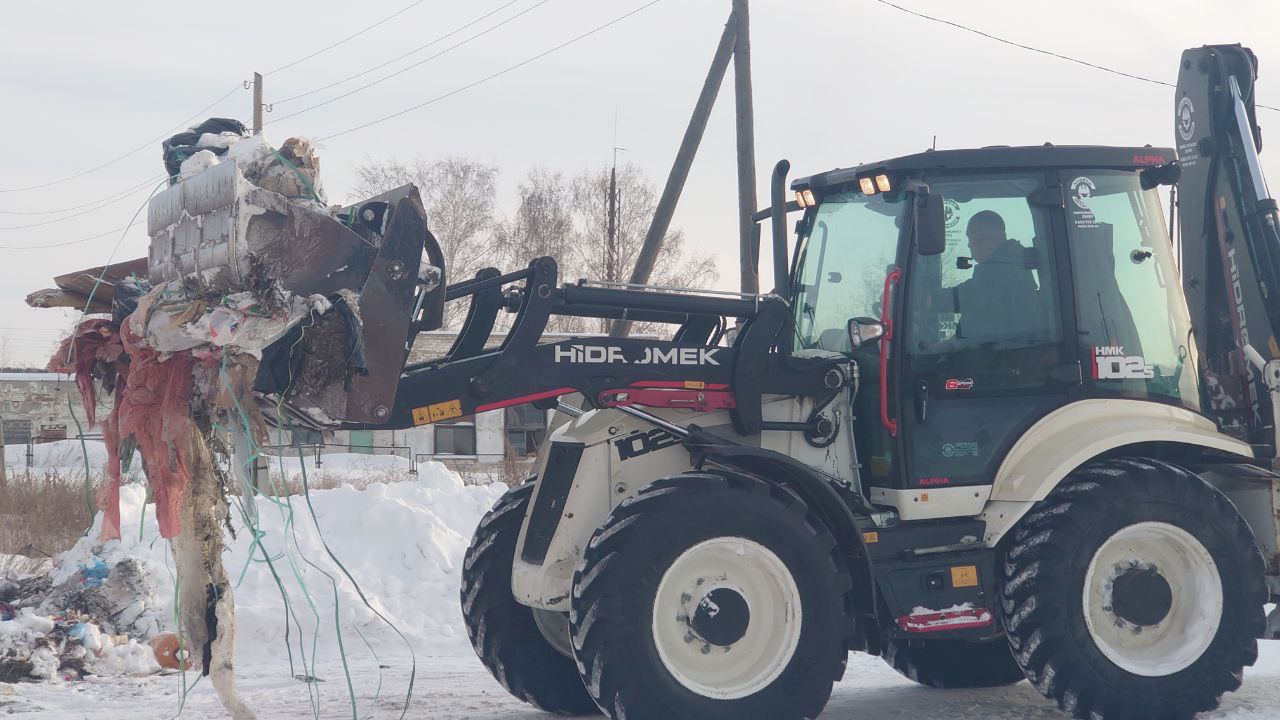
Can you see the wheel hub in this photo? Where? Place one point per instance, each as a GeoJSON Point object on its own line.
{"type": "Point", "coordinates": [1141, 596]}
{"type": "Point", "coordinates": [721, 617]}
{"type": "Point", "coordinates": [1152, 599]}
{"type": "Point", "coordinates": [726, 618]}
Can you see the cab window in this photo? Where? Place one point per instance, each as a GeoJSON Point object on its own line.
{"type": "Point", "coordinates": [1134, 329]}
{"type": "Point", "coordinates": [986, 310]}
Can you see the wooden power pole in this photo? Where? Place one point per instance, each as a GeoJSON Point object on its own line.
{"type": "Point", "coordinates": [257, 103]}
{"type": "Point", "coordinates": [747, 251]}
{"type": "Point", "coordinates": [735, 44]}
{"type": "Point", "coordinates": [4, 476]}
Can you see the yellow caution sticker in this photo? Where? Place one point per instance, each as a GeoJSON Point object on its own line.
{"type": "Point", "coordinates": [439, 411]}
{"type": "Point", "coordinates": [964, 576]}
{"type": "Point", "coordinates": [871, 537]}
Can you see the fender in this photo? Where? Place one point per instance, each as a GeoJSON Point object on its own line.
{"type": "Point", "coordinates": [1039, 460]}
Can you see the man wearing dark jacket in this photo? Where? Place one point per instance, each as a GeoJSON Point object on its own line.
{"type": "Point", "coordinates": [997, 304]}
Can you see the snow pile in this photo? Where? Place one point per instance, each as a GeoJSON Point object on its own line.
{"type": "Point", "coordinates": [402, 542]}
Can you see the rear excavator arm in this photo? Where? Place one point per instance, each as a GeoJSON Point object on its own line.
{"type": "Point", "coordinates": [1230, 241]}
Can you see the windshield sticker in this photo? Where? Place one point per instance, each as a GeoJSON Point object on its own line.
{"type": "Point", "coordinates": [964, 449]}
{"type": "Point", "coordinates": [951, 215]}
{"type": "Point", "coordinates": [1111, 362]}
{"type": "Point", "coordinates": [1082, 189]}
{"type": "Point", "coordinates": [960, 384]}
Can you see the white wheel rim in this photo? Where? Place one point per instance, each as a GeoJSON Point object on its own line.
{"type": "Point", "coordinates": [731, 566]}
{"type": "Point", "coordinates": [1129, 638]}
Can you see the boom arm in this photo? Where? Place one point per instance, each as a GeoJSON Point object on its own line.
{"type": "Point", "coordinates": [1230, 240]}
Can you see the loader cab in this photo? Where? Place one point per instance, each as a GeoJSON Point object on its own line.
{"type": "Point", "coordinates": [1004, 283]}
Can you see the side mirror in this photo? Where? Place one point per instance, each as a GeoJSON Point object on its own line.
{"type": "Point", "coordinates": [864, 330]}
{"type": "Point", "coordinates": [930, 224]}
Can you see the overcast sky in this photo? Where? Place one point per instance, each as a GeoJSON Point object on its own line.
{"type": "Point", "coordinates": [837, 82]}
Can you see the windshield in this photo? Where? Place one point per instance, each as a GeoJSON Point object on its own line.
{"type": "Point", "coordinates": [842, 265]}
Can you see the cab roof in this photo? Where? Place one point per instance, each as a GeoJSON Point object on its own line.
{"type": "Point", "coordinates": [1000, 157]}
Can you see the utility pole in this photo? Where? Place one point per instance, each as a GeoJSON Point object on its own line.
{"type": "Point", "coordinates": [257, 103]}
{"type": "Point", "coordinates": [613, 273]}
{"type": "Point", "coordinates": [4, 476]}
{"type": "Point", "coordinates": [611, 243]}
{"type": "Point", "coordinates": [747, 251]}
{"type": "Point", "coordinates": [680, 168]}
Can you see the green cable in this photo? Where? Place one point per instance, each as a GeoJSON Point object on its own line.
{"type": "Point", "coordinates": [413, 657]}
{"type": "Point", "coordinates": [286, 513]}
{"type": "Point", "coordinates": [84, 455]}
{"type": "Point", "coordinates": [301, 176]}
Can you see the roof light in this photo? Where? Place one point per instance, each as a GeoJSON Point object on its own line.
{"type": "Point", "coordinates": [867, 185]}
{"type": "Point", "coordinates": [809, 200]}
{"type": "Point", "coordinates": [882, 182]}
{"type": "Point", "coordinates": [800, 200]}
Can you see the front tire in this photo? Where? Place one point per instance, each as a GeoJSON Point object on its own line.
{"type": "Point", "coordinates": [950, 664]}
{"type": "Point", "coordinates": [511, 639]}
{"type": "Point", "coordinates": [1135, 590]}
{"type": "Point", "coordinates": [711, 597]}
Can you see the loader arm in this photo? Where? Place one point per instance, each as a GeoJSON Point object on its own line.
{"type": "Point", "coordinates": [692, 371]}
{"type": "Point", "coordinates": [1230, 241]}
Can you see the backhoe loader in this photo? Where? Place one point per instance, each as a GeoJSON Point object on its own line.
{"type": "Point", "coordinates": [992, 423]}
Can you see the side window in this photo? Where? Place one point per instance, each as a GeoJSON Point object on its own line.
{"type": "Point", "coordinates": [1132, 319]}
{"type": "Point", "coordinates": [987, 308]}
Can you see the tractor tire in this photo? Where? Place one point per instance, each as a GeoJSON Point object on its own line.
{"type": "Point", "coordinates": [951, 664]}
{"type": "Point", "coordinates": [507, 636]}
{"type": "Point", "coordinates": [711, 597]}
{"type": "Point", "coordinates": [1134, 590]}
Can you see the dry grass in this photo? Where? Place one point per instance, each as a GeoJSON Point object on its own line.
{"type": "Point", "coordinates": [511, 471]}
{"type": "Point", "coordinates": [42, 513]}
{"type": "Point", "coordinates": [320, 480]}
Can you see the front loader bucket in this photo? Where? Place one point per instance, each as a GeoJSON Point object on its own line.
{"type": "Point", "coordinates": [220, 233]}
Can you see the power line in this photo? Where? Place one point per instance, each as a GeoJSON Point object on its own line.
{"type": "Point", "coordinates": [181, 126]}
{"type": "Point", "coordinates": [120, 193]}
{"type": "Point", "coordinates": [352, 36]}
{"type": "Point", "coordinates": [1034, 49]}
{"type": "Point", "coordinates": [407, 68]}
{"type": "Point", "coordinates": [67, 243]}
{"type": "Point", "coordinates": [134, 191]}
{"type": "Point", "coordinates": [123, 230]}
{"type": "Point", "coordinates": [418, 49]}
{"type": "Point", "coordinates": [494, 75]}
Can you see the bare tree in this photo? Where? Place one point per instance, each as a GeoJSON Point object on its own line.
{"type": "Point", "coordinates": [600, 259]}
{"type": "Point", "coordinates": [459, 196]}
{"type": "Point", "coordinates": [543, 226]}
{"type": "Point", "coordinates": [567, 219]}
{"type": "Point", "coordinates": [543, 222]}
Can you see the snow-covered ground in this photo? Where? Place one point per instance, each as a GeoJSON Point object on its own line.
{"type": "Point", "coordinates": [403, 544]}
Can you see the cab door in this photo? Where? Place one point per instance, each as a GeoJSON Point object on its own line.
{"type": "Point", "coordinates": [982, 352]}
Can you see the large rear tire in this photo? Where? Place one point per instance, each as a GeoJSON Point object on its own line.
{"type": "Point", "coordinates": [1135, 590]}
{"type": "Point", "coordinates": [507, 636]}
{"type": "Point", "coordinates": [948, 664]}
{"type": "Point", "coordinates": [711, 597]}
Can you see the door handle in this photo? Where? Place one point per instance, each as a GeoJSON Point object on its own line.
{"type": "Point", "coordinates": [886, 319]}
{"type": "Point", "coordinates": [922, 400]}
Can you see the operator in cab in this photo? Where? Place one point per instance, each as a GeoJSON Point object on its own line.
{"type": "Point", "coordinates": [998, 301]}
